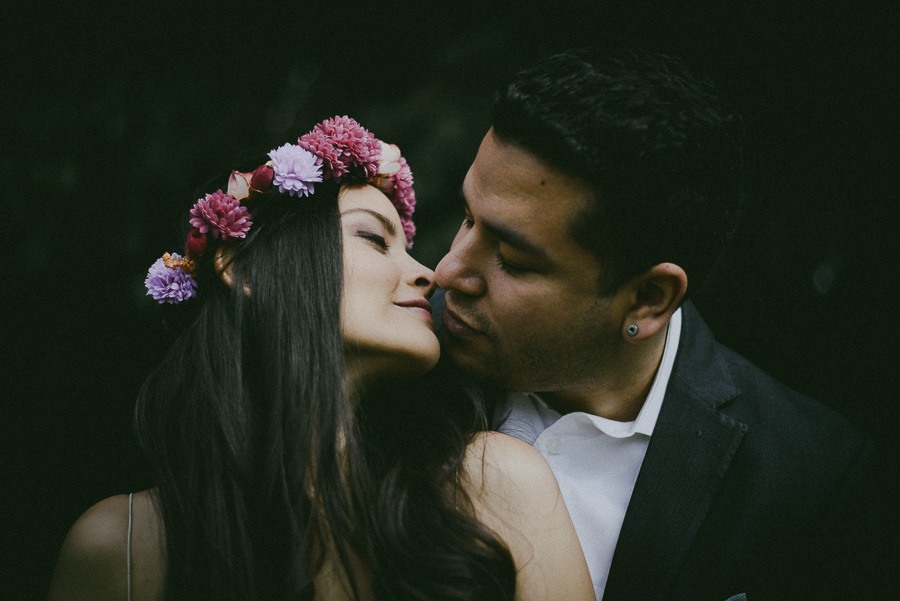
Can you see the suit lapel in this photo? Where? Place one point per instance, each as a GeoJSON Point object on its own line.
{"type": "Point", "coordinates": [689, 453]}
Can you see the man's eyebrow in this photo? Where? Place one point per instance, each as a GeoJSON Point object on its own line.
{"type": "Point", "coordinates": [508, 236]}
{"type": "Point", "coordinates": [387, 223]}
{"type": "Point", "coordinates": [515, 239]}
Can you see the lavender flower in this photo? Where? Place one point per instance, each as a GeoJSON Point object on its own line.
{"type": "Point", "coordinates": [295, 170]}
{"type": "Point", "coordinates": [168, 281]}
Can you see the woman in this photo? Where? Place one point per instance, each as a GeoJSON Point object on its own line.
{"type": "Point", "coordinates": [298, 453]}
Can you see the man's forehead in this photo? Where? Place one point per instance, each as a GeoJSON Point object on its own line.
{"type": "Point", "coordinates": [506, 166]}
{"type": "Point", "coordinates": [518, 188]}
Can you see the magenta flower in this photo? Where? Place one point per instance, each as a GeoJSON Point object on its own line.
{"type": "Point", "coordinates": [343, 146]}
{"type": "Point", "coordinates": [221, 215]}
{"type": "Point", "coordinates": [168, 282]}
{"type": "Point", "coordinates": [295, 170]}
{"type": "Point", "coordinates": [261, 178]}
{"type": "Point", "coordinates": [195, 245]}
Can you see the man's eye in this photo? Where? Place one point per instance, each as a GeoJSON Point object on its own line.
{"type": "Point", "coordinates": [510, 268]}
{"type": "Point", "coordinates": [467, 223]}
{"type": "Point", "coordinates": [374, 238]}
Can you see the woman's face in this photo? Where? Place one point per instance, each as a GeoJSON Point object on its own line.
{"type": "Point", "coordinates": [385, 315]}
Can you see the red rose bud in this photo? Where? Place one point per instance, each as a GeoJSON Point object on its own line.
{"type": "Point", "coordinates": [196, 243]}
{"type": "Point", "coordinates": [261, 178]}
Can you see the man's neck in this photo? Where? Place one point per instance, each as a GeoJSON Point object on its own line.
{"type": "Point", "coordinates": [620, 394]}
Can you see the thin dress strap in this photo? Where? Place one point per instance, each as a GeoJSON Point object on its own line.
{"type": "Point", "coordinates": [128, 547]}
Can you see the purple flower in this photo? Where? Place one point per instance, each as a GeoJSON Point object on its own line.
{"type": "Point", "coordinates": [169, 281]}
{"type": "Point", "coordinates": [295, 170]}
{"type": "Point", "coordinates": [222, 215]}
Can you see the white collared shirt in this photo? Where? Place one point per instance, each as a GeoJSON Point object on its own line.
{"type": "Point", "coordinates": [596, 460]}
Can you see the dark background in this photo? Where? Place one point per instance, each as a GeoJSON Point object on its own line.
{"type": "Point", "coordinates": [112, 117]}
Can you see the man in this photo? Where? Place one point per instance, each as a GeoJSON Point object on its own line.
{"type": "Point", "coordinates": [598, 201]}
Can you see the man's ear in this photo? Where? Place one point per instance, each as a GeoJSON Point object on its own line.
{"type": "Point", "coordinates": [223, 261]}
{"type": "Point", "coordinates": [653, 297]}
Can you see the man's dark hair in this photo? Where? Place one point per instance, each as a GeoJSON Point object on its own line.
{"type": "Point", "coordinates": [660, 150]}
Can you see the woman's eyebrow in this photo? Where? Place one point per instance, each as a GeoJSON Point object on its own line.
{"type": "Point", "coordinates": [387, 223]}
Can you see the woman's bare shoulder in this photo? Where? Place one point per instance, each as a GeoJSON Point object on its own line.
{"type": "Point", "coordinates": [514, 493]}
{"type": "Point", "coordinates": [93, 560]}
{"type": "Point", "coordinates": [497, 464]}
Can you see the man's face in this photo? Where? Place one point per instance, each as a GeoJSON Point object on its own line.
{"type": "Point", "coordinates": [523, 298]}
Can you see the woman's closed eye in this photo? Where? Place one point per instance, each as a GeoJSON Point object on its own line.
{"type": "Point", "coordinates": [376, 239]}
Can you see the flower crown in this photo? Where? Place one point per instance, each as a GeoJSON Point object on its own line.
{"type": "Point", "coordinates": [335, 150]}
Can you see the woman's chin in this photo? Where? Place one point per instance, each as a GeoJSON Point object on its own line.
{"type": "Point", "coordinates": [399, 364]}
{"type": "Point", "coordinates": [411, 365]}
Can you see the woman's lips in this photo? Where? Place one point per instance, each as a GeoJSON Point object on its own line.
{"type": "Point", "coordinates": [421, 307]}
{"type": "Point", "coordinates": [457, 326]}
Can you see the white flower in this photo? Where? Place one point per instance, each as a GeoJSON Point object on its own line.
{"type": "Point", "coordinates": [389, 163]}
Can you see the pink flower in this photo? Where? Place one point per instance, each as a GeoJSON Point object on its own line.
{"type": "Point", "coordinates": [295, 170]}
{"type": "Point", "coordinates": [196, 243]}
{"type": "Point", "coordinates": [327, 154]}
{"type": "Point", "coordinates": [239, 185]}
{"type": "Point", "coordinates": [403, 195]}
{"type": "Point", "coordinates": [409, 228]}
{"type": "Point", "coordinates": [343, 146]}
{"type": "Point", "coordinates": [222, 215]}
{"type": "Point", "coordinates": [404, 198]}
{"type": "Point", "coordinates": [394, 178]}
{"type": "Point", "coordinates": [371, 165]}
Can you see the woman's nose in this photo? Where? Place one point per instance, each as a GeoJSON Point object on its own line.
{"type": "Point", "coordinates": [422, 277]}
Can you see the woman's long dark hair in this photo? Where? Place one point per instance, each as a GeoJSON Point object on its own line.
{"type": "Point", "coordinates": [265, 470]}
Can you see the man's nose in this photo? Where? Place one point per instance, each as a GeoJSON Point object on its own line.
{"type": "Point", "coordinates": [460, 269]}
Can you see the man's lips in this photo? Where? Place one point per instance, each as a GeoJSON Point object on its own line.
{"type": "Point", "coordinates": [456, 325]}
{"type": "Point", "coordinates": [420, 306]}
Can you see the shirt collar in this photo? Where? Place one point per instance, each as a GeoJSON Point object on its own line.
{"type": "Point", "coordinates": [646, 419]}
{"type": "Point", "coordinates": [649, 413]}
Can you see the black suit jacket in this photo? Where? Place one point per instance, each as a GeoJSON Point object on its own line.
{"type": "Point", "coordinates": [747, 487]}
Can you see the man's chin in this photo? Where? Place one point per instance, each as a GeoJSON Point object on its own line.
{"type": "Point", "coordinates": [480, 363]}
